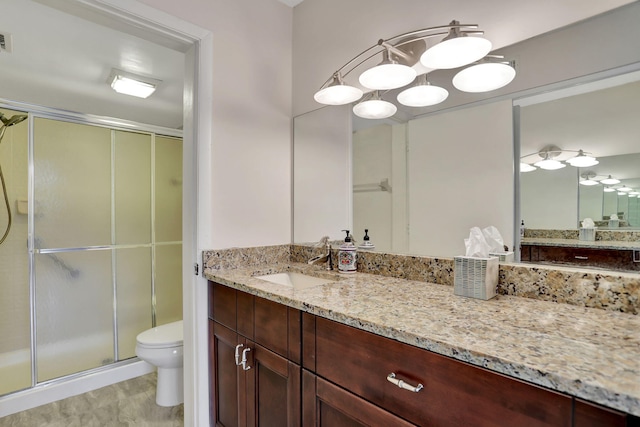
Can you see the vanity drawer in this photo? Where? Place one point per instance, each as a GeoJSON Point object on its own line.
{"type": "Point", "coordinates": [454, 393]}
{"type": "Point", "coordinates": [588, 257]}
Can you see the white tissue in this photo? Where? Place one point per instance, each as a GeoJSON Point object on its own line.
{"type": "Point", "coordinates": [588, 223]}
{"type": "Point", "coordinates": [613, 216]}
{"type": "Point", "coordinates": [476, 245]}
{"type": "Point", "coordinates": [493, 238]}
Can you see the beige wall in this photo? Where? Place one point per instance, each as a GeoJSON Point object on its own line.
{"type": "Point", "coordinates": [250, 186]}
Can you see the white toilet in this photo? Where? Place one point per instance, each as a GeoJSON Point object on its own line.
{"type": "Point", "coordinates": [162, 347]}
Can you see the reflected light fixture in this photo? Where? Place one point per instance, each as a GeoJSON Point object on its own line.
{"type": "Point", "coordinates": [132, 84]}
{"type": "Point", "coordinates": [548, 161]}
{"type": "Point", "coordinates": [484, 77]}
{"type": "Point", "coordinates": [374, 108]}
{"type": "Point", "coordinates": [609, 181]}
{"type": "Point", "coordinates": [587, 179]}
{"type": "Point", "coordinates": [526, 167]}
{"type": "Point", "coordinates": [422, 94]}
{"type": "Point", "coordinates": [389, 74]}
{"type": "Point", "coordinates": [461, 46]}
{"type": "Point", "coordinates": [625, 189]}
{"type": "Point", "coordinates": [609, 189]}
{"type": "Point", "coordinates": [582, 160]}
{"type": "Point", "coordinates": [621, 193]}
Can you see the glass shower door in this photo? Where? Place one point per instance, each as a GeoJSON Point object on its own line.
{"type": "Point", "coordinates": [72, 234]}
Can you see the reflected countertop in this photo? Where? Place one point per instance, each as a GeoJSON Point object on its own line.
{"type": "Point", "coordinates": [589, 353]}
{"type": "Point", "coordinates": [575, 243]}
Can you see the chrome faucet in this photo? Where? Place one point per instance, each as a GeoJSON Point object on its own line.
{"type": "Point", "coordinates": [323, 258]}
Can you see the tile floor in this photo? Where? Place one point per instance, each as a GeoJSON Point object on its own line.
{"type": "Point", "coordinates": [129, 403]}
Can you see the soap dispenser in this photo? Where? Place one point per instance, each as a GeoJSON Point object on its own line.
{"type": "Point", "coordinates": [366, 241]}
{"type": "Point", "coordinates": [347, 255]}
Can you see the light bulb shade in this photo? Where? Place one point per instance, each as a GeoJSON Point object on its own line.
{"type": "Point", "coordinates": [337, 93]}
{"type": "Point", "coordinates": [610, 181]}
{"type": "Point", "coordinates": [374, 109]}
{"type": "Point", "coordinates": [422, 95]}
{"type": "Point", "coordinates": [387, 76]}
{"type": "Point", "coordinates": [550, 164]}
{"type": "Point", "coordinates": [609, 189]}
{"type": "Point", "coordinates": [484, 77]}
{"type": "Point", "coordinates": [633, 193]}
{"type": "Point", "coordinates": [588, 182]}
{"type": "Point", "coordinates": [526, 167]}
{"type": "Point", "coordinates": [621, 193]}
{"type": "Point", "coordinates": [455, 52]}
{"type": "Point", "coordinates": [625, 189]}
{"type": "Point", "coordinates": [583, 161]}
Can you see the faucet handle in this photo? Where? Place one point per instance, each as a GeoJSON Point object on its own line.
{"type": "Point", "coordinates": [323, 242]}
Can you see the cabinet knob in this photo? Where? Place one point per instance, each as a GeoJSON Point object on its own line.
{"type": "Point", "coordinates": [238, 347]}
{"type": "Point", "coordinates": [581, 257]}
{"type": "Point", "coordinates": [393, 380]}
{"type": "Point", "coordinates": [244, 359]}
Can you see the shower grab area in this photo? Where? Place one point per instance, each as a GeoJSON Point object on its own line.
{"type": "Point", "coordinates": [93, 254]}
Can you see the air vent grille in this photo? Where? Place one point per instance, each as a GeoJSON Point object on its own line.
{"type": "Point", "coordinates": [5, 42]}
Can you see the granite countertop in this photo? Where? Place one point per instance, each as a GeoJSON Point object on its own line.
{"type": "Point", "coordinates": [589, 353]}
{"type": "Point", "coordinates": [575, 243]}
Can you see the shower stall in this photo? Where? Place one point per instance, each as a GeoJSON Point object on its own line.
{"type": "Point", "coordinates": [92, 254]}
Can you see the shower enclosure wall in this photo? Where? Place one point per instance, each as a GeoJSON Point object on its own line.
{"type": "Point", "coordinates": [94, 253]}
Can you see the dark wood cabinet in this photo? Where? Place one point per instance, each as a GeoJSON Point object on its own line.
{"type": "Point", "coordinates": [252, 382]}
{"type": "Point", "coordinates": [615, 259]}
{"type": "Point", "coordinates": [302, 369]}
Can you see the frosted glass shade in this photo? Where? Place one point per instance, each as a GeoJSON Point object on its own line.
{"type": "Point", "coordinates": [610, 181]}
{"type": "Point", "coordinates": [422, 96]}
{"type": "Point", "coordinates": [374, 109]}
{"type": "Point", "coordinates": [609, 189]}
{"type": "Point", "coordinates": [455, 52]}
{"type": "Point", "coordinates": [484, 77]}
{"type": "Point", "coordinates": [583, 161]}
{"type": "Point", "coordinates": [339, 94]}
{"type": "Point", "coordinates": [387, 76]}
{"type": "Point", "coordinates": [588, 182]}
{"type": "Point", "coordinates": [526, 167]}
{"type": "Point", "coordinates": [550, 164]}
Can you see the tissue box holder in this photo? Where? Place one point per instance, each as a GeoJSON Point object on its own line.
{"type": "Point", "coordinates": [502, 256]}
{"type": "Point", "coordinates": [475, 277]}
{"type": "Point", "coordinates": [588, 234]}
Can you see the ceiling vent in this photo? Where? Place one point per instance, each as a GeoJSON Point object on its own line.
{"type": "Point", "coordinates": [5, 42]}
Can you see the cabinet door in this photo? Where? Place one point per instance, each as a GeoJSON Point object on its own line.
{"type": "Point", "coordinates": [273, 387]}
{"type": "Point", "coordinates": [590, 415]}
{"type": "Point", "coordinates": [327, 405]}
{"type": "Point", "coordinates": [228, 382]}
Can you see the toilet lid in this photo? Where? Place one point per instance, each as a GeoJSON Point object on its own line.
{"type": "Point", "coordinates": [162, 336]}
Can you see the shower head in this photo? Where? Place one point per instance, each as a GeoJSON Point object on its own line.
{"type": "Point", "coordinates": [13, 120]}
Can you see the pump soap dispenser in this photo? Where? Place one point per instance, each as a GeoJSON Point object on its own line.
{"type": "Point", "coordinates": [366, 243]}
{"type": "Point", "coordinates": [347, 255]}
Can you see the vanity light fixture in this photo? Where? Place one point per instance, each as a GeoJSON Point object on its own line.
{"type": "Point", "coordinates": [609, 189]}
{"type": "Point", "coordinates": [621, 193]}
{"type": "Point", "coordinates": [374, 108]}
{"type": "Point", "coordinates": [548, 162]}
{"type": "Point", "coordinates": [485, 76]}
{"type": "Point", "coordinates": [588, 179]}
{"type": "Point", "coordinates": [461, 46]}
{"type": "Point", "coordinates": [625, 189]}
{"type": "Point", "coordinates": [132, 84]}
{"type": "Point", "coordinates": [609, 181]}
{"type": "Point", "coordinates": [422, 94]}
{"type": "Point", "coordinates": [526, 167]}
{"type": "Point", "coordinates": [582, 160]}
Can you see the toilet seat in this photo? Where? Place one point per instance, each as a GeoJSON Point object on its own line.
{"type": "Point", "coordinates": [164, 336]}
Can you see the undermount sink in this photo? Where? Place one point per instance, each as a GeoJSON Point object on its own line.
{"type": "Point", "coordinates": [294, 280]}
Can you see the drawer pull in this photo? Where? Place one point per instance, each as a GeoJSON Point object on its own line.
{"type": "Point", "coordinates": [238, 354]}
{"type": "Point", "coordinates": [393, 380]}
{"type": "Point", "coordinates": [244, 359]}
{"type": "Point", "coordinates": [581, 257]}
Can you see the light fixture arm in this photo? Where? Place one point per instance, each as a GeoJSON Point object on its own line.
{"type": "Point", "coordinates": [402, 39]}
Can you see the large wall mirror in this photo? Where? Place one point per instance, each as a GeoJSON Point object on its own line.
{"type": "Point", "coordinates": [419, 181]}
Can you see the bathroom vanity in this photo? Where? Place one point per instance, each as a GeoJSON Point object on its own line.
{"type": "Point", "coordinates": [612, 255]}
{"type": "Point", "coordinates": [381, 351]}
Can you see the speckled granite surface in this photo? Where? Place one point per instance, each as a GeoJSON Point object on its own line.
{"type": "Point", "coordinates": [592, 354]}
{"type": "Point", "coordinates": [575, 243]}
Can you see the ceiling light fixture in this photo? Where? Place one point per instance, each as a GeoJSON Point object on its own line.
{"type": "Point", "coordinates": [132, 84]}
{"type": "Point", "coordinates": [610, 181]}
{"type": "Point", "coordinates": [461, 46]}
{"type": "Point", "coordinates": [374, 108]}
